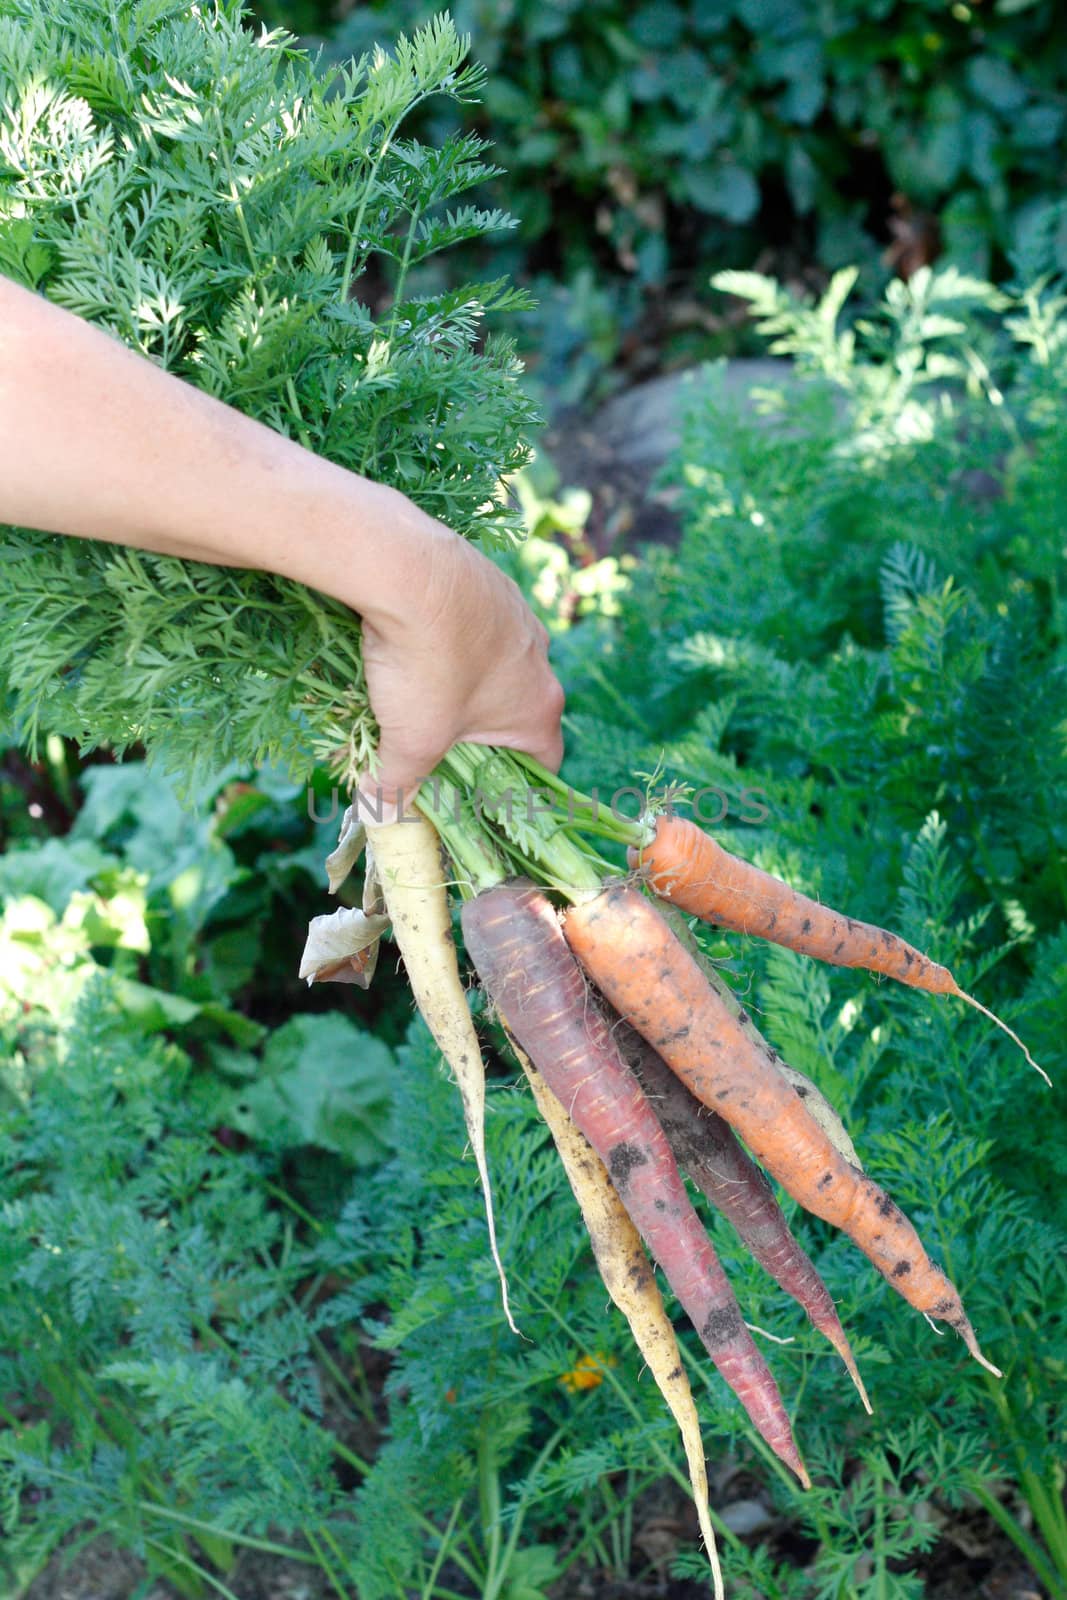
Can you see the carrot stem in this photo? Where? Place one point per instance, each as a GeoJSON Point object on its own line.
{"type": "Point", "coordinates": [526, 830]}
{"type": "Point", "coordinates": [471, 849]}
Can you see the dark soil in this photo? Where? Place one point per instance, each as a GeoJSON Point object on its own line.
{"type": "Point", "coordinates": [104, 1572]}
{"type": "Point", "coordinates": [617, 452]}
{"type": "Point", "coordinates": [972, 1560]}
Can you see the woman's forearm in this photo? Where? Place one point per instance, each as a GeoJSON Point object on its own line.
{"type": "Point", "coordinates": [98, 442]}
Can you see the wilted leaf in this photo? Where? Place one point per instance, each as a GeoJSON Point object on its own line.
{"type": "Point", "coordinates": [342, 948]}
{"type": "Point", "coordinates": [350, 842]}
{"type": "Point", "coordinates": [373, 893]}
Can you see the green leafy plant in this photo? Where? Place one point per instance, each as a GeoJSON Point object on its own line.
{"type": "Point", "coordinates": [692, 128]}
{"type": "Point", "coordinates": [185, 1344]}
{"type": "Point", "coordinates": [145, 1267]}
{"type": "Point", "coordinates": [212, 200]}
{"type": "Point", "coordinates": [190, 909]}
{"type": "Point", "coordinates": [155, 651]}
{"type": "Point", "coordinates": [864, 624]}
{"type": "Point", "coordinates": [876, 707]}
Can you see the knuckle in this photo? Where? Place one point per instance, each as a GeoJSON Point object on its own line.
{"type": "Point", "coordinates": [556, 697]}
{"type": "Point", "coordinates": [553, 755]}
{"type": "Point", "coordinates": [408, 760]}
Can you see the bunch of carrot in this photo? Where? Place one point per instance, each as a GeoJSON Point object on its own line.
{"type": "Point", "coordinates": [642, 1062]}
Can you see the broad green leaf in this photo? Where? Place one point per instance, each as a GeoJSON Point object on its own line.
{"type": "Point", "coordinates": [324, 1082]}
{"type": "Point", "coordinates": [726, 190]}
{"type": "Point", "coordinates": [53, 870]}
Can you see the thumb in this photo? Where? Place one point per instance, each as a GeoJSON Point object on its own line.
{"type": "Point", "coordinates": [388, 793]}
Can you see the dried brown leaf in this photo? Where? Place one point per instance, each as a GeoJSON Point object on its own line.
{"type": "Point", "coordinates": [342, 948]}
{"type": "Point", "coordinates": [350, 843]}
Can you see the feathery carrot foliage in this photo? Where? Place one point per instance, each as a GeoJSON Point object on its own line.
{"type": "Point", "coordinates": [210, 198]}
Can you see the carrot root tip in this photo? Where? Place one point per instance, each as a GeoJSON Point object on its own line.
{"type": "Point", "coordinates": [966, 1333]}
{"type": "Point", "coordinates": [854, 1373]}
{"type": "Point", "coordinates": [978, 1006]}
{"type": "Point", "coordinates": [972, 1345]}
{"type": "Point", "coordinates": [775, 1338]}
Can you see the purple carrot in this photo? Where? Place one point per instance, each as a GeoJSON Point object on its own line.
{"type": "Point", "coordinates": [707, 1149]}
{"type": "Point", "coordinates": [514, 939]}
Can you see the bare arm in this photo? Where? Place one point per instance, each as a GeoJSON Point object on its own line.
{"type": "Point", "coordinates": [98, 442]}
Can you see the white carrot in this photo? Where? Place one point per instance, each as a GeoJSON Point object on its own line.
{"type": "Point", "coordinates": [407, 858]}
{"type": "Point", "coordinates": [631, 1283]}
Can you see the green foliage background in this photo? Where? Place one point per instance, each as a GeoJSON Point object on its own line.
{"type": "Point", "coordinates": [703, 130]}
{"type": "Point", "coordinates": [246, 1303]}
{"type": "Point", "coordinates": [214, 1233]}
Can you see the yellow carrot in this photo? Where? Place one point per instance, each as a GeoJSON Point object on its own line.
{"type": "Point", "coordinates": [407, 859]}
{"type": "Point", "coordinates": [631, 1283]}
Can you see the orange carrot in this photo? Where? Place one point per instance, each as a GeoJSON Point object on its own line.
{"type": "Point", "coordinates": [630, 953]}
{"type": "Point", "coordinates": [684, 865]}
{"type": "Point", "coordinates": [513, 937]}
{"type": "Point", "coordinates": [707, 1149]}
{"type": "Point", "coordinates": [813, 1097]}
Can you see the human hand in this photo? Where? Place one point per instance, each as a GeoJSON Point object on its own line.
{"type": "Point", "coordinates": [451, 650]}
{"type": "Point", "coordinates": [456, 654]}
